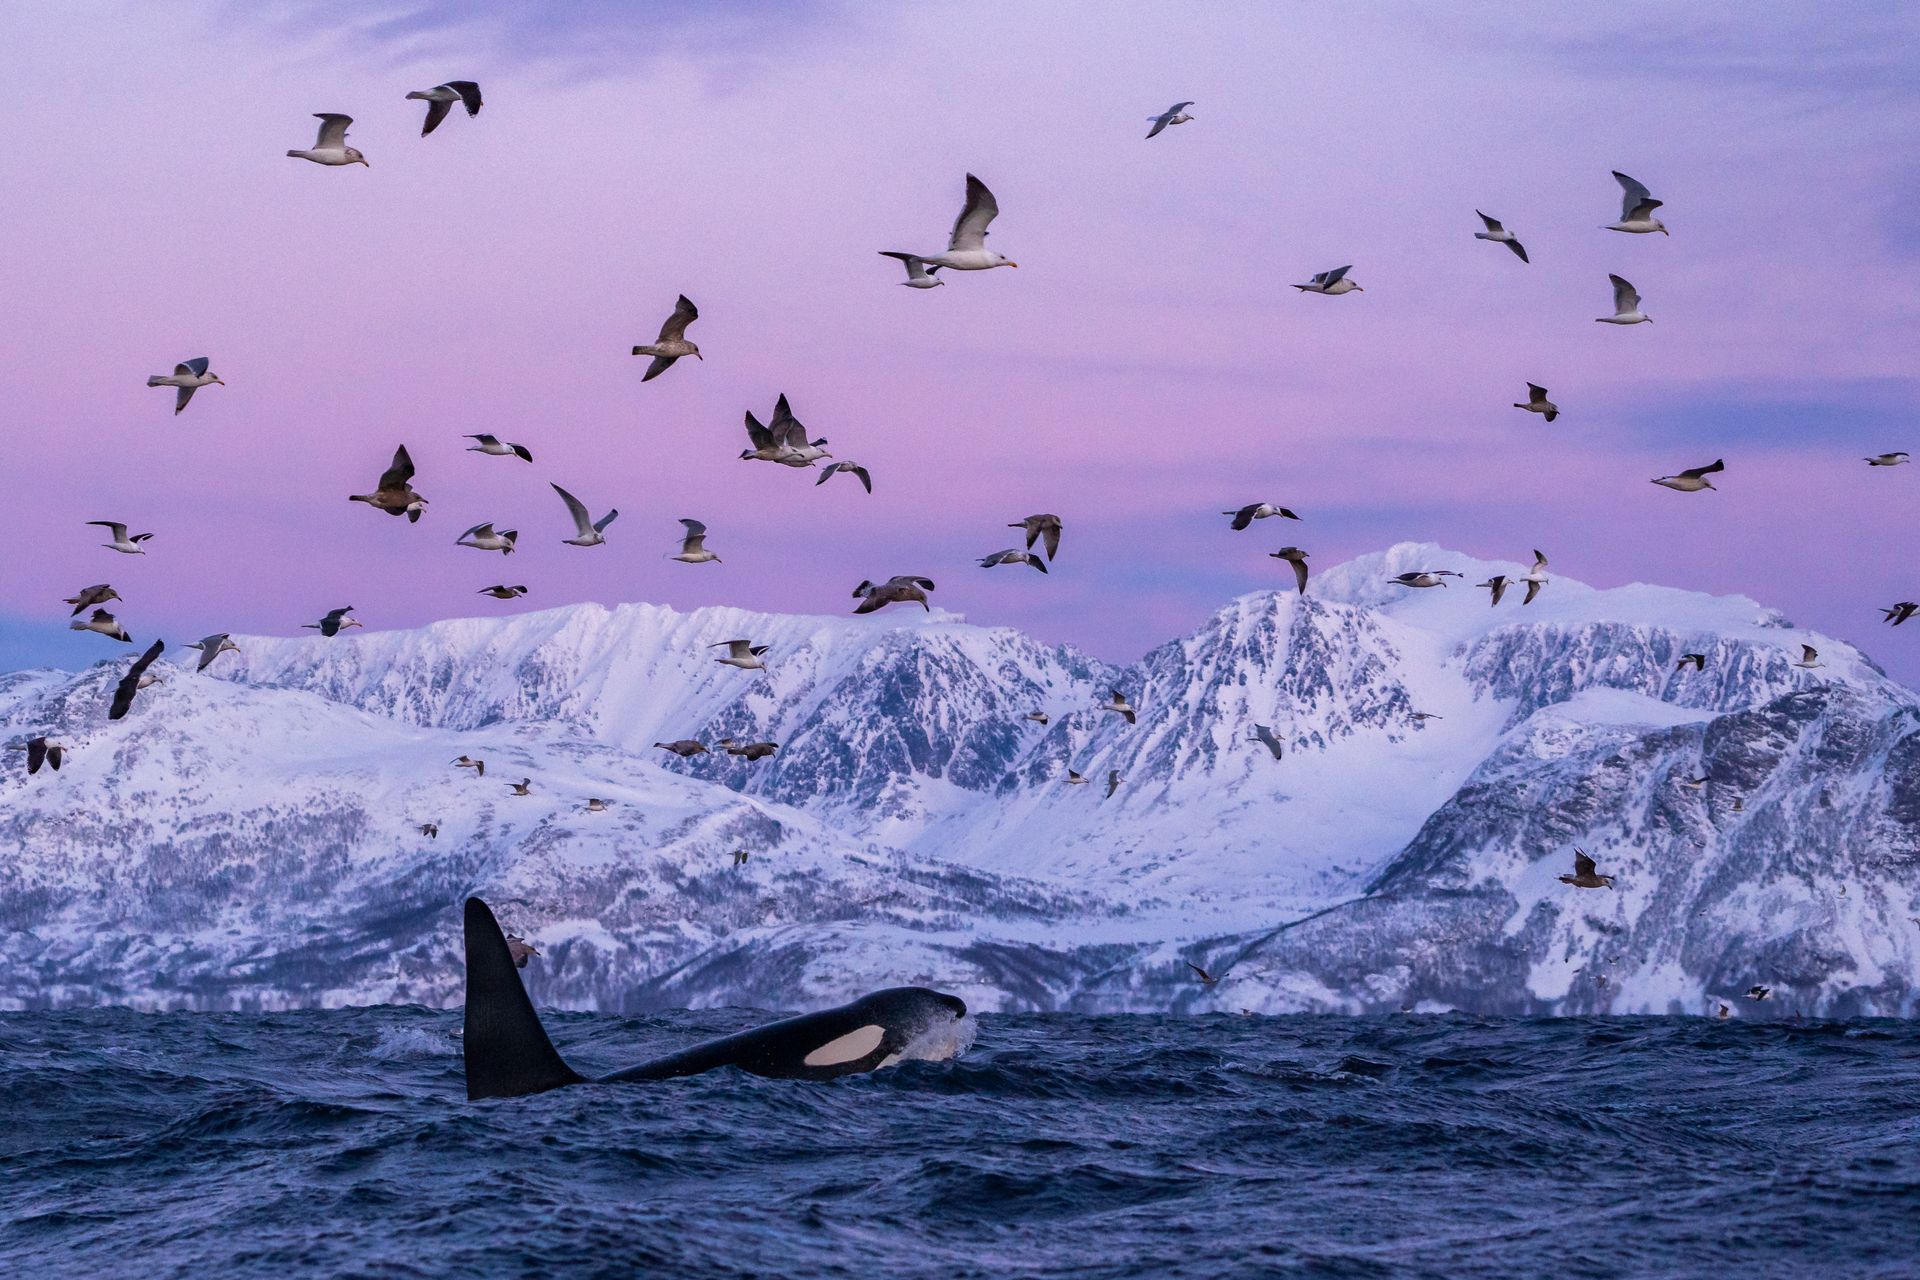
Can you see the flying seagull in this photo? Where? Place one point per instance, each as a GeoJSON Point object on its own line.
{"type": "Point", "coordinates": [766, 446]}
{"type": "Point", "coordinates": [1423, 578]}
{"type": "Point", "coordinates": [1258, 511]}
{"type": "Point", "coordinates": [1809, 658]}
{"type": "Point", "coordinates": [853, 469]}
{"type": "Point", "coordinates": [1758, 992]}
{"type": "Point", "coordinates": [967, 246]}
{"type": "Point", "coordinates": [1206, 979]}
{"type": "Point", "coordinates": [596, 805]}
{"type": "Point", "coordinates": [740, 857]}
{"type": "Point", "coordinates": [1585, 874]}
{"type": "Point", "coordinates": [1626, 305]}
{"type": "Point", "coordinates": [673, 340]}
{"type": "Point", "coordinates": [795, 449]}
{"type": "Point", "coordinates": [1888, 459]}
{"type": "Point", "coordinates": [482, 538]}
{"type": "Point", "coordinates": [331, 148]}
{"type": "Point", "coordinates": [334, 623]}
{"type": "Point", "coordinates": [1497, 584]}
{"type": "Point", "coordinates": [188, 376]}
{"type": "Point", "coordinates": [88, 597]}
{"type": "Point", "coordinates": [1175, 114]}
{"type": "Point", "coordinates": [1298, 559]}
{"type": "Point", "coordinates": [41, 750]}
{"type": "Point", "coordinates": [494, 446]}
{"type": "Point", "coordinates": [1500, 235]}
{"type": "Point", "coordinates": [685, 748]}
{"type": "Point", "coordinates": [1038, 717]}
{"type": "Point", "coordinates": [744, 654]}
{"type": "Point", "coordinates": [102, 623]}
{"type": "Point", "coordinates": [1043, 527]}
{"type": "Point", "coordinates": [121, 542]}
{"type": "Point", "coordinates": [501, 591]}
{"type": "Point", "coordinates": [1118, 704]}
{"type": "Point", "coordinates": [1264, 735]}
{"type": "Point", "coordinates": [212, 647]}
{"type": "Point", "coordinates": [519, 950]}
{"type": "Point", "coordinates": [1535, 578]}
{"type": "Point", "coordinates": [431, 830]}
{"type": "Point", "coordinates": [919, 274]}
{"type": "Point", "coordinates": [440, 100]}
{"type": "Point", "coordinates": [479, 767]}
{"type": "Point", "coordinates": [1636, 208]}
{"type": "Point", "coordinates": [134, 680]}
{"type": "Point", "coordinates": [1075, 778]}
{"type": "Point", "coordinates": [1695, 479]}
{"type": "Point", "coordinates": [901, 589]}
{"type": "Point", "coordinates": [1422, 716]}
{"type": "Point", "coordinates": [750, 751]}
{"type": "Point", "coordinates": [1537, 402]}
{"type": "Point", "coordinates": [693, 547]}
{"type": "Point", "coordinates": [1333, 283]}
{"type": "Point", "coordinates": [1900, 612]}
{"type": "Point", "coordinates": [1698, 661]}
{"type": "Point", "coordinates": [1113, 783]}
{"type": "Point", "coordinates": [587, 532]}
{"type": "Point", "coordinates": [1013, 555]}
{"type": "Point", "coordinates": [524, 787]}
{"type": "Point", "coordinates": [395, 494]}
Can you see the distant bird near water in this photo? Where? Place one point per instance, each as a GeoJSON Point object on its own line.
{"type": "Point", "coordinates": [1888, 459]}
{"type": "Point", "coordinates": [967, 245]}
{"type": "Point", "coordinates": [1636, 208]}
{"type": "Point", "coordinates": [904, 589]}
{"type": "Point", "coordinates": [41, 750]}
{"type": "Point", "coordinates": [501, 591]}
{"type": "Point", "coordinates": [330, 147]}
{"type": "Point", "coordinates": [440, 100]}
{"type": "Point", "coordinates": [479, 767]}
{"type": "Point", "coordinates": [102, 623]}
{"type": "Point", "coordinates": [1332, 283]}
{"type": "Point", "coordinates": [853, 469]}
{"type": "Point", "coordinates": [1758, 992]}
{"type": "Point", "coordinates": [1013, 556]}
{"type": "Point", "coordinates": [1258, 511]}
{"type": "Point", "coordinates": [134, 679]}
{"type": "Point", "coordinates": [333, 623]}
{"type": "Point", "coordinates": [1298, 559]}
{"type": "Point", "coordinates": [1118, 704]}
{"type": "Point", "coordinates": [88, 597]}
{"type": "Point", "coordinates": [587, 532]}
{"type": "Point", "coordinates": [188, 376]}
{"type": "Point", "coordinates": [394, 494]}
{"type": "Point", "coordinates": [495, 447]}
{"type": "Point", "coordinates": [212, 647]}
{"type": "Point", "coordinates": [672, 343]}
{"type": "Point", "coordinates": [483, 538]}
{"type": "Point", "coordinates": [1695, 479]}
{"type": "Point", "coordinates": [121, 542]}
{"type": "Point", "coordinates": [1500, 235]}
{"type": "Point", "coordinates": [685, 748]}
{"type": "Point", "coordinates": [1264, 735]}
{"type": "Point", "coordinates": [1585, 874]}
{"type": "Point", "coordinates": [743, 654]}
{"type": "Point", "coordinates": [1537, 402]}
{"type": "Point", "coordinates": [1626, 305]}
{"type": "Point", "coordinates": [693, 547]}
{"type": "Point", "coordinates": [1044, 527]}
{"type": "Point", "coordinates": [1175, 114]}
{"type": "Point", "coordinates": [1900, 612]}
{"type": "Point", "coordinates": [1206, 979]}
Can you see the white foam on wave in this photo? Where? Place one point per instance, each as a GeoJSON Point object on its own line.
{"type": "Point", "coordinates": [410, 1042]}
{"type": "Point", "coordinates": [946, 1038]}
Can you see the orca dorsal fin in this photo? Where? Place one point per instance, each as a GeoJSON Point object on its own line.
{"type": "Point", "coordinates": [507, 1050]}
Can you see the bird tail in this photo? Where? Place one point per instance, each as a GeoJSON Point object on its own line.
{"type": "Point", "coordinates": [507, 1051]}
{"type": "Point", "coordinates": [297, 155]}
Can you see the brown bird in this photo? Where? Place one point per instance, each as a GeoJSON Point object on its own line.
{"type": "Point", "coordinates": [596, 805]}
{"type": "Point", "coordinates": [1040, 527]}
{"type": "Point", "coordinates": [88, 597]}
{"type": "Point", "coordinates": [750, 751]}
{"type": "Point", "coordinates": [897, 590]}
{"type": "Point", "coordinates": [1119, 705]}
{"type": "Point", "coordinates": [524, 787]}
{"type": "Point", "coordinates": [1585, 874]}
{"type": "Point", "coordinates": [1298, 559]}
{"type": "Point", "coordinates": [501, 591]}
{"type": "Point", "coordinates": [1206, 979]}
{"type": "Point", "coordinates": [521, 950]}
{"type": "Point", "coordinates": [134, 680]}
{"type": "Point", "coordinates": [672, 343]}
{"type": "Point", "coordinates": [395, 495]}
{"type": "Point", "coordinates": [431, 830]}
{"type": "Point", "coordinates": [685, 748]}
{"type": "Point", "coordinates": [479, 767]}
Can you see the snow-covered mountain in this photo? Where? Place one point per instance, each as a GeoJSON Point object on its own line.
{"type": "Point", "coordinates": [251, 837]}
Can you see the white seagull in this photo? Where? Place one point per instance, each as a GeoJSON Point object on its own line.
{"type": "Point", "coordinates": [331, 148]}
{"type": "Point", "coordinates": [440, 100]}
{"type": "Point", "coordinates": [1175, 114]}
{"type": "Point", "coordinates": [744, 654]}
{"type": "Point", "coordinates": [495, 447]}
{"type": "Point", "coordinates": [1636, 208]}
{"type": "Point", "coordinates": [1626, 305]}
{"type": "Point", "coordinates": [919, 274]}
{"type": "Point", "coordinates": [967, 246]}
{"type": "Point", "coordinates": [482, 538]}
{"type": "Point", "coordinates": [1500, 235]}
{"type": "Point", "coordinates": [121, 542]}
{"type": "Point", "coordinates": [1333, 283]}
{"type": "Point", "coordinates": [1888, 459]}
{"type": "Point", "coordinates": [212, 647]}
{"type": "Point", "coordinates": [1013, 555]}
{"type": "Point", "coordinates": [1694, 479]}
{"type": "Point", "coordinates": [1809, 658]}
{"type": "Point", "coordinates": [1535, 578]}
{"type": "Point", "coordinates": [189, 376]}
{"type": "Point", "coordinates": [693, 547]}
{"type": "Point", "coordinates": [1537, 402]}
{"type": "Point", "coordinates": [587, 532]}
{"type": "Point", "coordinates": [673, 342]}
{"type": "Point", "coordinates": [853, 469]}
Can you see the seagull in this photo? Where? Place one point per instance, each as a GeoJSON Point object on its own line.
{"type": "Point", "coordinates": [212, 647]}
{"type": "Point", "coordinates": [87, 597]}
{"type": "Point", "coordinates": [1758, 992]}
{"type": "Point", "coordinates": [1900, 612]}
{"type": "Point", "coordinates": [431, 830]}
{"type": "Point", "coordinates": [902, 589]}
{"type": "Point", "coordinates": [331, 148]}
{"type": "Point", "coordinates": [500, 591]}
{"type": "Point", "coordinates": [1119, 705]}
{"type": "Point", "coordinates": [1693, 481]}
{"type": "Point", "coordinates": [524, 787]}
{"type": "Point", "coordinates": [1264, 735]}
{"type": "Point", "coordinates": [851, 468]}
{"type": "Point", "coordinates": [740, 857]}
{"type": "Point", "coordinates": [1075, 778]}
{"type": "Point", "coordinates": [1298, 559]}
{"type": "Point", "coordinates": [440, 100]}
{"type": "Point", "coordinates": [395, 494]}
{"type": "Point", "coordinates": [685, 748]}
{"type": "Point", "coordinates": [1014, 556]}
{"type": "Point", "coordinates": [1636, 208]}
{"type": "Point", "coordinates": [744, 654]}
{"type": "Point", "coordinates": [1809, 658]}
{"type": "Point", "coordinates": [482, 538]}
{"type": "Point", "coordinates": [1333, 282]}
{"type": "Point", "coordinates": [1497, 584]}
{"type": "Point", "coordinates": [1113, 783]}
{"type": "Point", "coordinates": [334, 623]}
{"type": "Point", "coordinates": [134, 680]}
{"type": "Point", "coordinates": [751, 751]}
{"type": "Point", "coordinates": [1175, 114]}
{"type": "Point", "coordinates": [189, 376]}
{"type": "Point", "coordinates": [586, 533]}
{"type": "Point", "coordinates": [104, 624]}
{"type": "Point", "coordinates": [967, 246]}
{"type": "Point", "coordinates": [121, 542]}
{"type": "Point", "coordinates": [479, 767]}
{"type": "Point", "coordinates": [494, 446]}
{"type": "Point", "coordinates": [787, 431]}
{"type": "Point", "coordinates": [1418, 716]}
{"type": "Point", "coordinates": [41, 750]}
{"type": "Point", "coordinates": [1698, 661]}
{"type": "Point", "coordinates": [1535, 578]}
{"type": "Point", "coordinates": [919, 274]}
{"type": "Point", "coordinates": [1585, 874]}
{"type": "Point", "coordinates": [1038, 717]}
{"type": "Point", "coordinates": [1500, 235]}
{"type": "Point", "coordinates": [1206, 979]}
{"type": "Point", "coordinates": [1424, 578]}
{"type": "Point", "coordinates": [1258, 511]}
{"type": "Point", "coordinates": [1537, 402]}
{"type": "Point", "coordinates": [767, 446]}
{"type": "Point", "coordinates": [1697, 784]}
{"type": "Point", "coordinates": [1888, 459]}
{"type": "Point", "coordinates": [520, 950]}
{"type": "Point", "coordinates": [693, 547]}
{"type": "Point", "coordinates": [597, 805]}
{"type": "Point", "coordinates": [673, 340]}
{"type": "Point", "coordinates": [1626, 305]}
{"type": "Point", "coordinates": [1043, 527]}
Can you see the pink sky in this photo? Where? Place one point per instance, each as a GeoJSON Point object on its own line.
{"type": "Point", "coordinates": [1146, 367]}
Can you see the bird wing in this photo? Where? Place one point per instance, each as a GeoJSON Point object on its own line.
{"type": "Point", "coordinates": [684, 314]}
{"type": "Point", "coordinates": [484, 530]}
{"type": "Point", "coordinates": [1327, 278]}
{"type": "Point", "coordinates": [119, 530]}
{"type": "Point", "coordinates": [695, 541]}
{"type": "Point", "coordinates": [1582, 864]}
{"type": "Point", "coordinates": [486, 439]}
{"type": "Point", "coordinates": [1499, 587]}
{"type": "Point", "coordinates": [866, 478]}
{"type": "Point", "coordinates": [659, 366]}
{"type": "Point", "coordinates": [1492, 225]}
{"type": "Point", "coordinates": [397, 475]}
{"type": "Point", "coordinates": [1519, 250]}
{"type": "Point", "coordinates": [196, 367]}
{"type": "Point", "coordinates": [333, 131]}
{"type": "Point", "coordinates": [181, 396]}
{"type": "Point", "coordinates": [1300, 575]}
{"type": "Point", "coordinates": [1533, 589]}
{"type": "Point", "coordinates": [1244, 516]}
{"type": "Point", "coordinates": [757, 435]}
{"type": "Point", "coordinates": [1159, 123]}
{"type": "Point", "coordinates": [1536, 392]}
{"type": "Point", "coordinates": [970, 228]}
{"type": "Point", "coordinates": [1808, 653]}
{"type": "Point", "coordinates": [130, 682]}
{"type": "Point", "coordinates": [1718, 464]}
{"type": "Point", "coordinates": [600, 525]}
{"type": "Point", "coordinates": [436, 112]}
{"type": "Point", "coordinates": [582, 522]}
{"type": "Point", "coordinates": [1625, 297]}
{"type": "Point", "coordinates": [469, 94]}
{"type": "Point", "coordinates": [335, 615]}
{"type": "Point", "coordinates": [1539, 560]}
{"type": "Point", "coordinates": [1051, 532]}
{"type": "Point", "coordinates": [1113, 782]}
{"type": "Point", "coordinates": [1204, 975]}
{"type": "Point", "coordinates": [1633, 197]}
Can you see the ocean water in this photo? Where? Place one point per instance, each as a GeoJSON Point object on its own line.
{"type": "Point", "coordinates": [341, 1144]}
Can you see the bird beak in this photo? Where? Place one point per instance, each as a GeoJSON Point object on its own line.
{"type": "Point", "coordinates": [221, 381]}
{"type": "Point", "coordinates": [1013, 264]}
{"type": "Point", "coordinates": [363, 160]}
{"type": "Point", "coordinates": [1359, 288]}
{"type": "Point", "coordinates": [697, 356]}
{"type": "Point", "coordinates": [1665, 232]}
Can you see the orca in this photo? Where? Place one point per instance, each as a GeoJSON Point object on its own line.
{"type": "Point", "coordinates": [508, 1054]}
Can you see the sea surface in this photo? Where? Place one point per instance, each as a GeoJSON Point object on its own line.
{"type": "Point", "coordinates": [340, 1143]}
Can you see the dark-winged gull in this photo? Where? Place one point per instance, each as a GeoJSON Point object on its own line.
{"type": "Point", "coordinates": [744, 654]}
{"type": "Point", "coordinates": [1206, 979]}
{"type": "Point", "coordinates": [1497, 584]}
{"type": "Point", "coordinates": [479, 767]}
{"type": "Point", "coordinates": [853, 469]}
{"type": "Point", "coordinates": [335, 621]}
{"type": "Point", "coordinates": [394, 494]}
{"type": "Point", "coordinates": [1113, 783]}
{"type": "Point", "coordinates": [1044, 527]}
{"type": "Point", "coordinates": [967, 246]}
{"type": "Point", "coordinates": [431, 830]}
{"type": "Point", "coordinates": [1900, 612]}
{"type": "Point", "coordinates": [188, 377]}
{"type": "Point", "coordinates": [693, 547]}
{"type": "Point", "coordinates": [495, 447]}
{"type": "Point", "coordinates": [1298, 559]}
{"type": "Point", "coordinates": [750, 751]}
{"type": "Point", "coordinates": [501, 591]}
{"type": "Point", "coordinates": [1175, 114]}
{"type": "Point", "coordinates": [212, 647]}
{"type": "Point", "coordinates": [1259, 511]}
{"type": "Point", "coordinates": [1694, 479]}
{"type": "Point", "coordinates": [903, 588]}
{"type": "Point", "coordinates": [685, 748]}
{"type": "Point", "coordinates": [1535, 578]}
{"type": "Point", "coordinates": [1117, 703]}
{"type": "Point", "coordinates": [672, 343]}
{"type": "Point", "coordinates": [133, 680]}
{"type": "Point", "coordinates": [331, 148]}
{"type": "Point", "coordinates": [1636, 208]}
{"type": "Point", "coordinates": [1585, 874]}
{"type": "Point", "coordinates": [1537, 402]}
{"type": "Point", "coordinates": [1332, 283]}
{"type": "Point", "coordinates": [1500, 235]}
{"type": "Point", "coordinates": [1264, 735]}
{"type": "Point", "coordinates": [41, 750]}
{"type": "Point", "coordinates": [1423, 578]}
{"type": "Point", "coordinates": [524, 787]}
{"type": "Point", "coordinates": [1698, 661]}
{"type": "Point", "coordinates": [88, 597]}
{"type": "Point", "coordinates": [1898, 458]}
{"type": "Point", "coordinates": [482, 537]}
{"type": "Point", "coordinates": [440, 100]}
{"type": "Point", "coordinates": [1038, 717]}
{"type": "Point", "coordinates": [1013, 555]}
{"type": "Point", "coordinates": [121, 542]}
{"type": "Point", "coordinates": [102, 623]}
{"type": "Point", "coordinates": [1809, 658]}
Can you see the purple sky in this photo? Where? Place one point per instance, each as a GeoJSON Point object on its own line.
{"type": "Point", "coordinates": [1146, 367]}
